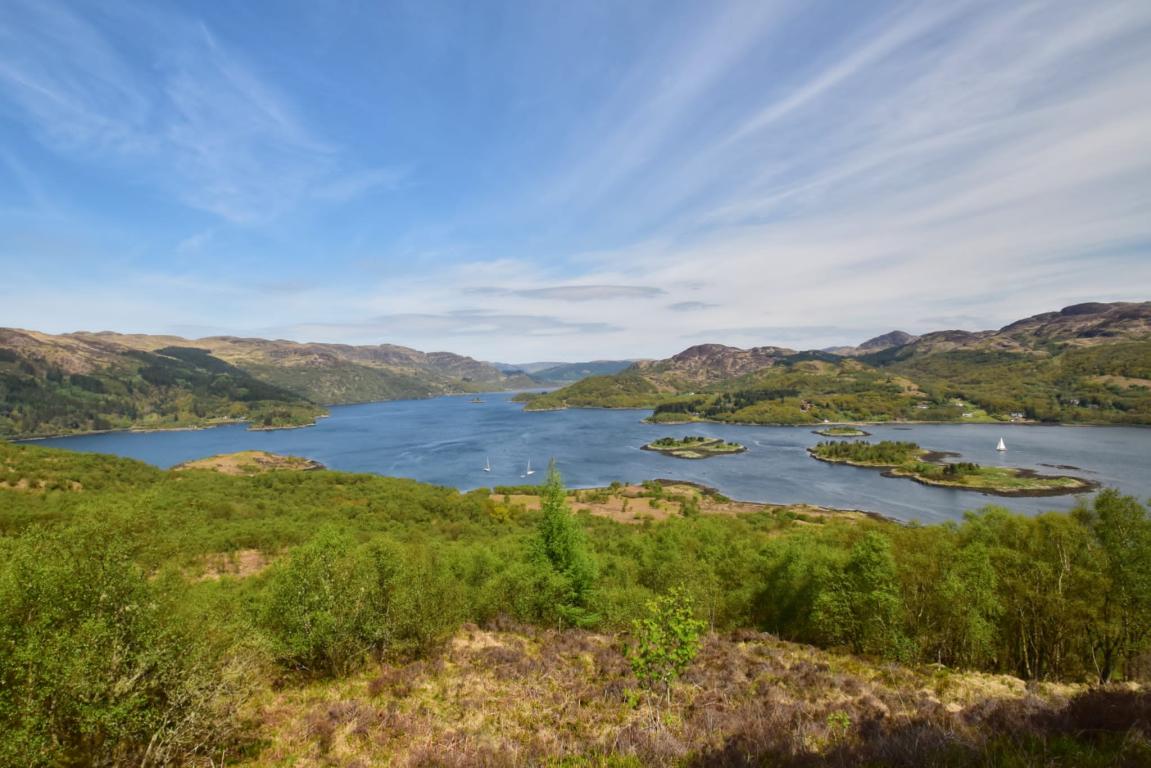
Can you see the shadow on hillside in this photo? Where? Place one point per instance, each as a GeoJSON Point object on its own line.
{"type": "Point", "coordinates": [1102, 726]}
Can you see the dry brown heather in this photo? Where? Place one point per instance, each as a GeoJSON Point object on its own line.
{"type": "Point", "coordinates": [251, 463]}
{"type": "Point", "coordinates": [535, 697]}
{"type": "Point", "coordinates": [35, 486]}
{"type": "Point", "coordinates": [239, 564]}
{"type": "Point", "coordinates": [634, 504]}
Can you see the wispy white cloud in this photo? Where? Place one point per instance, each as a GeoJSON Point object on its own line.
{"type": "Point", "coordinates": [352, 185]}
{"type": "Point", "coordinates": [690, 306]}
{"type": "Point", "coordinates": [993, 164]}
{"type": "Point", "coordinates": [196, 119]}
{"type": "Point", "coordinates": [579, 293]}
{"type": "Point", "coordinates": [449, 325]}
{"type": "Point", "coordinates": [925, 165]}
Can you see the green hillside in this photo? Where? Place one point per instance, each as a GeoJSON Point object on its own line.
{"type": "Point", "coordinates": [57, 384]}
{"type": "Point", "coordinates": [172, 387]}
{"type": "Point", "coordinates": [346, 382]}
{"type": "Point", "coordinates": [1105, 383]}
{"type": "Point", "coordinates": [1089, 363]}
{"type": "Point", "coordinates": [170, 617]}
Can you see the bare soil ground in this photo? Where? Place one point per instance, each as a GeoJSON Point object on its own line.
{"type": "Point", "coordinates": [251, 463]}
{"type": "Point", "coordinates": [635, 504]}
{"type": "Point", "coordinates": [239, 564]}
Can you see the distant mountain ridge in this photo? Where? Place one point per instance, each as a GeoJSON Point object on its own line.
{"type": "Point", "coordinates": [571, 372]}
{"type": "Point", "coordinates": [339, 373]}
{"type": "Point", "coordinates": [1082, 325]}
{"type": "Point", "coordinates": [1087, 362]}
{"type": "Point", "coordinates": [565, 373]}
{"type": "Point", "coordinates": [89, 381]}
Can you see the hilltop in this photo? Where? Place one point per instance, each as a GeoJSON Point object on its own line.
{"type": "Point", "coordinates": [876, 344]}
{"type": "Point", "coordinates": [1088, 362]}
{"type": "Point", "coordinates": [1080, 325]}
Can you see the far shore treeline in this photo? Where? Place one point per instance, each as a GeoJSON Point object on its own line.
{"type": "Point", "coordinates": [120, 642]}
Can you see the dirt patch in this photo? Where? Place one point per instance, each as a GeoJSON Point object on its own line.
{"type": "Point", "coordinates": [1125, 382]}
{"type": "Point", "coordinates": [39, 486]}
{"type": "Point", "coordinates": [239, 564]}
{"type": "Point", "coordinates": [626, 506]}
{"type": "Point", "coordinates": [245, 463]}
{"type": "Point", "coordinates": [635, 504]}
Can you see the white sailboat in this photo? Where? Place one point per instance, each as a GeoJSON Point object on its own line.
{"type": "Point", "coordinates": [529, 471]}
{"type": "Point", "coordinates": [487, 464]}
{"type": "Point", "coordinates": [1002, 445]}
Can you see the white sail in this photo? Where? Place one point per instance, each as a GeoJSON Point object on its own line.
{"type": "Point", "coordinates": [487, 464]}
{"type": "Point", "coordinates": [530, 471]}
{"type": "Point", "coordinates": [1002, 445]}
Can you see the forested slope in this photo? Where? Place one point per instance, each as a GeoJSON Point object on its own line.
{"type": "Point", "coordinates": [51, 387]}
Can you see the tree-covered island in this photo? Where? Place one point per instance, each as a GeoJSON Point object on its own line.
{"type": "Point", "coordinates": [694, 447]}
{"type": "Point", "coordinates": [842, 432]}
{"type": "Point", "coordinates": [905, 459]}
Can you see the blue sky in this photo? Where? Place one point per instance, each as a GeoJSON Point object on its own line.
{"type": "Point", "coordinates": [556, 180]}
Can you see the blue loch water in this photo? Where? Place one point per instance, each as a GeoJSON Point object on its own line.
{"type": "Point", "coordinates": [446, 440]}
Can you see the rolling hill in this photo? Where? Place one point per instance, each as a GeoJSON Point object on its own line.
{"type": "Point", "coordinates": [53, 384]}
{"type": "Point", "coordinates": [1085, 363]}
{"type": "Point", "coordinates": [341, 373]}
{"type": "Point", "coordinates": [60, 384]}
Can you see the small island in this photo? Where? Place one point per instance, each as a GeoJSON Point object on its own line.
{"type": "Point", "coordinates": [908, 460]}
{"type": "Point", "coordinates": [842, 432]}
{"type": "Point", "coordinates": [694, 447]}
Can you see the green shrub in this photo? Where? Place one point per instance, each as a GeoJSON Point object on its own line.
{"type": "Point", "coordinates": [96, 667]}
{"type": "Point", "coordinates": [666, 640]}
{"type": "Point", "coordinates": [325, 607]}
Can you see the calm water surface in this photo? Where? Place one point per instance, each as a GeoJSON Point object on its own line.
{"type": "Point", "coordinates": [446, 440]}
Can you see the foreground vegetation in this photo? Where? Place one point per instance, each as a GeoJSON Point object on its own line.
{"type": "Point", "coordinates": [121, 642]}
{"type": "Point", "coordinates": [903, 459]}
